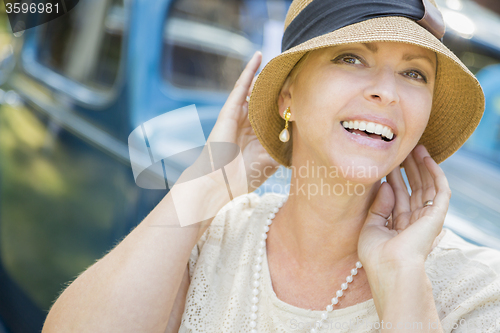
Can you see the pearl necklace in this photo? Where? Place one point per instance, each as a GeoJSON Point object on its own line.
{"type": "Point", "coordinates": [256, 276]}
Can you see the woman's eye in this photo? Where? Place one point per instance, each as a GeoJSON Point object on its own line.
{"type": "Point", "coordinates": [348, 59]}
{"type": "Point", "coordinates": [416, 75]}
{"type": "Point", "coordinates": [351, 60]}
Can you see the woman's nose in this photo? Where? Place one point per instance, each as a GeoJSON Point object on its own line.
{"type": "Point", "coordinates": [382, 89]}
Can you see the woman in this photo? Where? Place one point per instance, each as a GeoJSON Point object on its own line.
{"type": "Point", "coordinates": [358, 87]}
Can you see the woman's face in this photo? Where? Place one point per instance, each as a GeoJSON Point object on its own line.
{"type": "Point", "coordinates": [377, 86]}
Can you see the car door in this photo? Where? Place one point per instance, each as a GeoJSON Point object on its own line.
{"type": "Point", "coordinates": [85, 81]}
{"type": "Point", "coordinates": [66, 193]}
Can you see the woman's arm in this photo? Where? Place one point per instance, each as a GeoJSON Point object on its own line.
{"type": "Point", "coordinates": [134, 287]}
{"type": "Point", "coordinates": [394, 254]}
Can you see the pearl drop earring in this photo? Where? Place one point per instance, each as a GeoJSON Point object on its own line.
{"type": "Point", "coordinates": [285, 135]}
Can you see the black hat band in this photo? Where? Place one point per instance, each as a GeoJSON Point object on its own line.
{"type": "Point", "coordinates": [323, 16]}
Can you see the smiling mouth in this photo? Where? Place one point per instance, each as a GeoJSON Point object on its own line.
{"type": "Point", "coordinates": [370, 135]}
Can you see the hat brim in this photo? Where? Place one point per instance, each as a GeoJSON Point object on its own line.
{"type": "Point", "coordinates": [458, 101]}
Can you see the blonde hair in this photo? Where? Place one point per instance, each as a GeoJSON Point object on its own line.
{"type": "Point", "coordinates": [298, 66]}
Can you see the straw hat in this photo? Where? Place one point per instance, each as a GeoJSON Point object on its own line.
{"type": "Point", "coordinates": [458, 101]}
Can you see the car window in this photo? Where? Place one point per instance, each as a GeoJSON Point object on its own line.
{"type": "Point", "coordinates": [85, 44]}
{"type": "Point", "coordinates": [206, 44]}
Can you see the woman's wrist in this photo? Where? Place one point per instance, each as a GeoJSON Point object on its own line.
{"type": "Point", "coordinates": [198, 195]}
{"type": "Point", "coordinates": [385, 275]}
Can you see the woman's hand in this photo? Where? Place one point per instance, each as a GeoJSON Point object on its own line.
{"type": "Point", "coordinates": [413, 230]}
{"type": "Point", "coordinates": [233, 126]}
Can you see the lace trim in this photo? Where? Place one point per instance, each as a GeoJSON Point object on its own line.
{"type": "Point", "coordinates": [465, 285]}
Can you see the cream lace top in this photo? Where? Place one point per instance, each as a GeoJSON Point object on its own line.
{"type": "Point", "coordinates": [465, 280]}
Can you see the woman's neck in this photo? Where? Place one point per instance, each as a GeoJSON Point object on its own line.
{"type": "Point", "coordinates": [320, 232]}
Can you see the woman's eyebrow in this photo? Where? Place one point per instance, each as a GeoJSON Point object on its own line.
{"type": "Point", "coordinates": [409, 57]}
{"type": "Point", "coordinates": [370, 47]}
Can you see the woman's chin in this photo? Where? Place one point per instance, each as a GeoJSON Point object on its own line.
{"type": "Point", "coordinates": [359, 169]}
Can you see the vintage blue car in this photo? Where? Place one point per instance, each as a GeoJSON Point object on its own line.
{"type": "Point", "coordinates": [74, 89]}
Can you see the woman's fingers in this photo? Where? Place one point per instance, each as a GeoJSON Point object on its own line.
{"type": "Point", "coordinates": [242, 86]}
{"type": "Point", "coordinates": [251, 86]}
{"type": "Point", "coordinates": [442, 198]}
{"type": "Point", "coordinates": [413, 176]}
{"type": "Point", "coordinates": [382, 206]}
{"type": "Point", "coordinates": [234, 112]}
{"type": "Point", "coordinates": [402, 205]}
{"type": "Point", "coordinates": [245, 106]}
{"type": "Point", "coordinates": [428, 188]}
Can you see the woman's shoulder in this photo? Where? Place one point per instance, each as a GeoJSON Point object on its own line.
{"type": "Point", "coordinates": [455, 250]}
{"type": "Point", "coordinates": [235, 215]}
{"type": "Point", "coordinates": [465, 279]}
{"type": "Point", "coordinates": [220, 265]}
{"type": "Point", "coordinates": [233, 225]}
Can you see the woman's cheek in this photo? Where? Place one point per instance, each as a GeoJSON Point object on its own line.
{"type": "Point", "coordinates": [417, 113]}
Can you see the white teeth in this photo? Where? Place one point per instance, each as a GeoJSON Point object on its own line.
{"type": "Point", "coordinates": [387, 132]}
{"type": "Point", "coordinates": [369, 127]}
{"type": "Point", "coordinates": [362, 125]}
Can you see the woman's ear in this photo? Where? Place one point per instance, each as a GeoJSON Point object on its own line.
{"type": "Point", "coordinates": [285, 98]}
